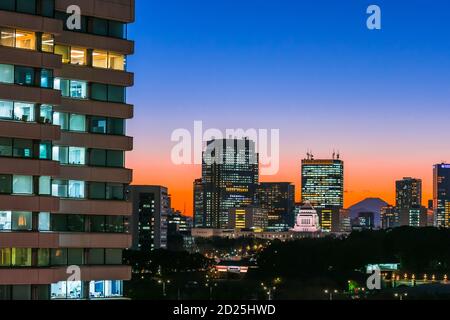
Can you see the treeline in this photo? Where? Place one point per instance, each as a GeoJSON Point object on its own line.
{"type": "Point", "coordinates": [164, 261]}
{"type": "Point", "coordinates": [417, 250]}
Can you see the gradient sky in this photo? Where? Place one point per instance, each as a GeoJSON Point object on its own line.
{"type": "Point", "coordinates": [309, 68]}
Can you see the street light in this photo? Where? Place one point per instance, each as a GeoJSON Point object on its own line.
{"type": "Point", "coordinates": [211, 286]}
{"type": "Point", "coordinates": [164, 283]}
{"type": "Point", "coordinates": [401, 296]}
{"type": "Point", "coordinates": [268, 291]}
{"type": "Point", "coordinates": [331, 292]}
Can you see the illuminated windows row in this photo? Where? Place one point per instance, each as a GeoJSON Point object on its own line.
{"type": "Point", "coordinates": [18, 257]}
{"type": "Point", "coordinates": [95, 58]}
{"type": "Point", "coordinates": [97, 289]}
{"type": "Point", "coordinates": [82, 123]}
{"type": "Point", "coordinates": [82, 190]}
{"type": "Point", "coordinates": [94, 157]}
{"type": "Point", "coordinates": [22, 111]}
{"type": "Point", "coordinates": [23, 39]}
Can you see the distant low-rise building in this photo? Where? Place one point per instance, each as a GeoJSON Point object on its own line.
{"type": "Point", "coordinates": [307, 219]}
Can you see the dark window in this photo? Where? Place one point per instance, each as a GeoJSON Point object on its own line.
{"type": "Point", "coordinates": [75, 257]}
{"type": "Point", "coordinates": [48, 8]}
{"type": "Point", "coordinates": [116, 29]}
{"type": "Point", "coordinates": [113, 256]}
{"type": "Point", "coordinates": [26, 6]}
{"type": "Point", "coordinates": [5, 147]}
{"type": "Point", "coordinates": [59, 257]}
{"type": "Point", "coordinates": [99, 92]}
{"type": "Point", "coordinates": [100, 26]}
{"type": "Point", "coordinates": [96, 256]}
{"type": "Point", "coordinates": [97, 157]}
{"type": "Point", "coordinates": [116, 94]}
{"type": "Point", "coordinates": [5, 184]}
{"type": "Point", "coordinates": [114, 191]}
{"type": "Point", "coordinates": [114, 224]}
{"type": "Point", "coordinates": [24, 76]}
{"type": "Point", "coordinates": [97, 191]}
{"type": "Point", "coordinates": [116, 126]}
{"type": "Point", "coordinates": [23, 148]}
{"type": "Point", "coordinates": [59, 223]}
{"type": "Point", "coordinates": [7, 5]}
{"type": "Point", "coordinates": [115, 159]}
{"type": "Point", "coordinates": [97, 224]}
{"type": "Point", "coordinates": [75, 223]}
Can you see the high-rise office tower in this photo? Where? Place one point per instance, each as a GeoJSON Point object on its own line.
{"type": "Point", "coordinates": [149, 222]}
{"type": "Point", "coordinates": [278, 198]}
{"type": "Point", "coordinates": [441, 195]}
{"type": "Point", "coordinates": [323, 187]}
{"type": "Point", "coordinates": [62, 148]}
{"type": "Point", "coordinates": [323, 182]}
{"type": "Point", "coordinates": [408, 193]}
{"type": "Point", "coordinates": [198, 204]}
{"type": "Point", "coordinates": [230, 179]}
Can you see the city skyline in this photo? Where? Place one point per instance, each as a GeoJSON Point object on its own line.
{"type": "Point", "coordinates": [315, 72]}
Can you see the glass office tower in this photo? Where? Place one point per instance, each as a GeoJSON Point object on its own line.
{"type": "Point", "coordinates": [230, 179]}
{"type": "Point", "coordinates": [441, 195]}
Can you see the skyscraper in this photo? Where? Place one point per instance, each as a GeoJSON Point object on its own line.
{"type": "Point", "coordinates": [441, 194]}
{"type": "Point", "coordinates": [62, 146]}
{"type": "Point", "coordinates": [230, 179]}
{"type": "Point", "coordinates": [149, 222]}
{"type": "Point", "coordinates": [278, 198]}
{"type": "Point", "coordinates": [323, 187]}
{"type": "Point", "coordinates": [408, 193]}
{"type": "Point", "coordinates": [323, 182]}
{"type": "Point", "coordinates": [198, 204]}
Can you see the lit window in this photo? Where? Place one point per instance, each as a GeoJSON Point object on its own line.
{"type": "Point", "coordinates": [6, 73]}
{"type": "Point", "coordinates": [63, 51]}
{"type": "Point", "coordinates": [76, 189]}
{"type": "Point", "coordinates": [6, 109]}
{"type": "Point", "coordinates": [21, 221]}
{"type": "Point", "coordinates": [77, 122]}
{"type": "Point", "coordinates": [116, 61]}
{"type": "Point", "coordinates": [46, 114]}
{"type": "Point", "coordinates": [45, 184]}
{"type": "Point", "coordinates": [7, 37]}
{"type": "Point", "coordinates": [77, 156]}
{"type": "Point", "coordinates": [25, 40]}
{"type": "Point", "coordinates": [22, 184]}
{"type": "Point", "coordinates": [48, 43]}
{"type": "Point", "coordinates": [78, 89]}
{"type": "Point", "coordinates": [23, 111]}
{"type": "Point", "coordinates": [100, 59]}
{"type": "Point", "coordinates": [78, 56]}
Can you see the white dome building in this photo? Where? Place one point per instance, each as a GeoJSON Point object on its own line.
{"type": "Point", "coordinates": [307, 219]}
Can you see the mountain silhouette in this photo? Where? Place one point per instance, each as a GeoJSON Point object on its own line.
{"type": "Point", "coordinates": [369, 205]}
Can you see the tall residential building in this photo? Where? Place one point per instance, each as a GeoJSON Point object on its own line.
{"type": "Point", "coordinates": [198, 204]}
{"type": "Point", "coordinates": [149, 222]}
{"type": "Point", "coordinates": [323, 182]}
{"type": "Point", "coordinates": [441, 195]}
{"type": "Point", "coordinates": [278, 198]}
{"type": "Point", "coordinates": [62, 148]}
{"type": "Point", "coordinates": [230, 179]}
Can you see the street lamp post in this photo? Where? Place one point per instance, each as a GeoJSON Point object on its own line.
{"type": "Point", "coordinates": [164, 282]}
{"type": "Point", "coordinates": [330, 292]}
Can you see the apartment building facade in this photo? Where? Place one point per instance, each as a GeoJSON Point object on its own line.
{"type": "Point", "coordinates": [63, 140]}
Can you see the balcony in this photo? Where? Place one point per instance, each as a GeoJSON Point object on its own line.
{"type": "Point", "coordinates": [100, 75]}
{"type": "Point", "coordinates": [96, 108]}
{"type": "Point", "coordinates": [30, 22]}
{"type": "Point", "coordinates": [121, 10]}
{"type": "Point", "coordinates": [15, 92]}
{"type": "Point", "coordinates": [96, 141]}
{"type": "Point", "coordinates": [25, 276]}
{"type": "Point", "coordinates": [29, 130]}
{"type": "Point", "coordinates": [85, 40]}
{"type": "Point", "coordinates": [95, 207]}
{"type": "Point", "coordinates": [55, 240]}
{"type": "Point", "coordinates": [29, 203]}
{"type": "Point", "coordinates": [29, 58]}
{"type": "Point", "coordinates": [114, 175]}
{"type": "Point", "coordinates": [29, 167]}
